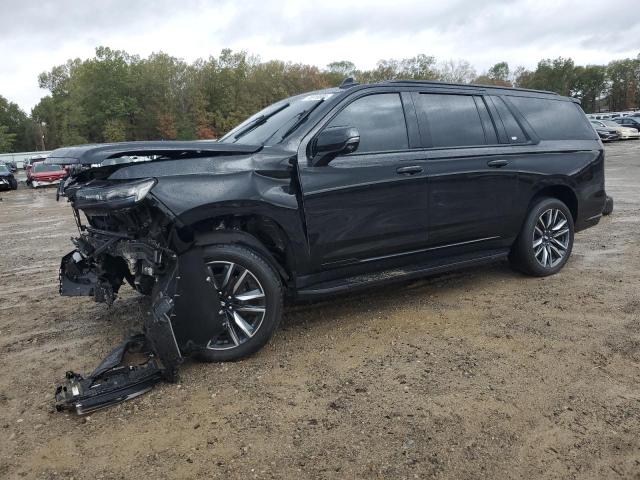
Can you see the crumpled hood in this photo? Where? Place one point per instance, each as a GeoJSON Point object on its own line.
{"type": "Point", "coordinates": [96, 154]}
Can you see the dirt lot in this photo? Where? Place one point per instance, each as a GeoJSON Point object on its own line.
{"type": "Point", "coordinates": [479, 374]}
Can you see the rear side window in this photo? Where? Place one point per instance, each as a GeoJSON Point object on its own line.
{"type": "Point", "coordinates": [380, 121]}
{"type": "Point", "coordinates": [554, 119]}
{"type": "Point", "coordinates": [452, 120]}
{"type": "Point", "coordinates": [514, 132]}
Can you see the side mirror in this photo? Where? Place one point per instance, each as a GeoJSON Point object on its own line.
{"type": "Point", "coordinates": [333, 141]}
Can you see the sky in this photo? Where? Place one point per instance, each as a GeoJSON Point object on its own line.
{"type": "Point", "coordinates": [36, 35]}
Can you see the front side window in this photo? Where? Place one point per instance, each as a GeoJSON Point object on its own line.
{"type": "Point", "coordinates": [380, 121]}
{"type": "Point", "coordinates": [453, 120]}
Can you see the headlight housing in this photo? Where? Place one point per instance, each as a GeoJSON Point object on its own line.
{"type": "Point", "coordinates": [113, 197]}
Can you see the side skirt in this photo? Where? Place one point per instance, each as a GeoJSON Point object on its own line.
{"type": "Point", "coordinates": [399, 274]}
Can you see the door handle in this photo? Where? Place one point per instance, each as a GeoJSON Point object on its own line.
{"type": "Point", "coordinates": [498, 163]}
{"type": "Point", "coordinates": [412, 170]}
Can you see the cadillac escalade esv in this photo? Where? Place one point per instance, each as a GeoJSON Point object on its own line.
{"type": "Point", "coordinates": [326, 192]}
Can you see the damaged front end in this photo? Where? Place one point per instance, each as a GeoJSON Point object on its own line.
{"type": "Point", "coordinates": [129, 236]}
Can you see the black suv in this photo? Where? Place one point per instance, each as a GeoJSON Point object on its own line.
{"type": "Point", "coordinates": [326, 192]}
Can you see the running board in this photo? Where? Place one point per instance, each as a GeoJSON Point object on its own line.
{"type": "Point", "coordinates": [399, 274]}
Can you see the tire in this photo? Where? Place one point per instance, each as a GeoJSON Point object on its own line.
{"type": "Point", "coordinates": [14, 184]}
{"type": "Point", "coordinates": [608, 206]}
{"type": "Point", "coordinates": [547, 257]}
{"type": "Point", "coordinates": [236, 344]}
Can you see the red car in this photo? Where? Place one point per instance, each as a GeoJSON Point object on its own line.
{"type": "Point", "coordinates": [41, 174]}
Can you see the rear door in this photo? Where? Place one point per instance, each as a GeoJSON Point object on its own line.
{"type": "Point", "coordinates": [371, 204]}
{"type": "Point", "coordinates": [471, 185]}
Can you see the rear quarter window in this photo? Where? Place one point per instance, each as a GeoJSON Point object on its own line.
{"type": "Point", "coordinates": [554, 119]}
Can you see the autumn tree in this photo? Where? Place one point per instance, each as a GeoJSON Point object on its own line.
{"type": "Point", "coordinates": [116, 96]}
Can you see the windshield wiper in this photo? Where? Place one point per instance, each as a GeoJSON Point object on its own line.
{"type": "Point", "coordinates": [300, 119]}
{"type": "Point", "coordinates": [256, 122]}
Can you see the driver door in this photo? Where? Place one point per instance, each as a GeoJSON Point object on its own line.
{"type": "Point", "coordinates": [370, 204]}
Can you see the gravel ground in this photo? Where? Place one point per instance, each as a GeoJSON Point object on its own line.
{"type": "Point", "coordinates": [483, 373]}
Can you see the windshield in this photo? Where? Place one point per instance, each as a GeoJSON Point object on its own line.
{"type": "Point", "coordinates": [609, 123]}
{"type": "Point", "coordinates": [270, 124]}
{"type": "Point", "coordinates": [44, 167]}
{"type": "Point", "coordinates": [3, 168]}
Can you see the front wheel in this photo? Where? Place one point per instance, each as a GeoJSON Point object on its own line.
{"type": "Point", "coordinates": [546, 239]}
{"type": "Point", "coordinates": [250, 295]}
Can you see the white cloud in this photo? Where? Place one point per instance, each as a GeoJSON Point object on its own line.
{"type": "Point", "coordinates": [36, 36]}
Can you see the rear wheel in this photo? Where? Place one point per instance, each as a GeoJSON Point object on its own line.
{"type": "Point", "coordinates": [546, 239]}
{"type": "Point", "coordinates": [250, 294]}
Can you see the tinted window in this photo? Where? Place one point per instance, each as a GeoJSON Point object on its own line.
{"type": "Point", "coordinates": [379, 119]}
{"type": "Point", "coordinates": [43, 167]}
{"type": "Point", "coordinates": [514, 132]}
{"type": "Point", "coordinates": [453, 120]}
{"type": "Point", "coordinates": [554, 119]}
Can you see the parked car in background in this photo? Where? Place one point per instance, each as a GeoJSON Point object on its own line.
{"type": "Point", "coordinates": [11, 165]}
{"type": "Point", "coordinates": [607, 134]}
{"type": "Point", "coordinates": [7, 180]}
{"type": "Point", "coordinates": [42, 174]}
{"type": "Point", "coordinates": [624, 132]}
{"type": "Point", "coordinates": [31, 160]}
{"type": "Point", "coordinates": [630, 122]}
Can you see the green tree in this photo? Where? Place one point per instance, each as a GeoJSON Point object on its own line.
{"type": "Point", "coordinates": [116, 96]}
{"type": "Point", "coordinates": [590, 85]}
{"type": "Point", "coordinates": [115, 130]}
{"type": "Point", "coordinates": [6, 139]}
{"type": "Point", "coordinates": [624, 84]}
{"type": "Point", "coordinates": [16, 125]}
{"type": "Point", "coordinates": [344, 68]}
{"type": "Point", "coordinates": [556, 75]}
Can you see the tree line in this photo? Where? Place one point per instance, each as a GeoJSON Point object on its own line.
{"type": "Point", "coordinates": [115, 96]}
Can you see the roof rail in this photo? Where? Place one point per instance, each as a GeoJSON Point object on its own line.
{"type": "Point", "coordinates": [438, 82]}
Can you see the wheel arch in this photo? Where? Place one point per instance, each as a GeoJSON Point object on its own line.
{"type": "Point", "coordinates": [562, 192]}
{"type": "Point", "coordinates": [261, 233]}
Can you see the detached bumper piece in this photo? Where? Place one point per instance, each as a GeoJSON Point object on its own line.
{"type": "Point", "coordinates": [111, 382]}
{"type": "Point", "coordinates": [184, 317]}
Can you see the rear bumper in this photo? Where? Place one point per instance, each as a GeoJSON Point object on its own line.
{"type": "Point", "coordinates": [588, 222]}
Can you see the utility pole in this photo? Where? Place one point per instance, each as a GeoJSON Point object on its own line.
{"type": "Point", "coordinates": [42, 125]}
